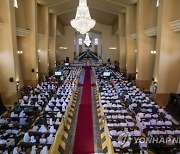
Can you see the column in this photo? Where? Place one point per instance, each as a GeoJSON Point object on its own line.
{"type": "Point", "coordinates": [43, 43]}
{"type": "Point", "coordinates": [122, 47]}
{"type": "Point", "coordinates": [52, 42]}
{"type": "Point", "coordinates": [167, 72]}
{"type": "Point", "coordinates": [9, 65]}
{"type": "Point", "coordinates": [28, 44]}
{"type": "Point", "coordinates": [130, 23]}
{"type": "Point", "coordinates": [146, 19]}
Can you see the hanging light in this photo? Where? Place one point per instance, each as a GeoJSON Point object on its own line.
{"type": "Point", "coordinates": [15, 4]}
{"type": "Point", "coordinates": [87, 40]}
{"type": "Point", "coordinates": [83, 22]}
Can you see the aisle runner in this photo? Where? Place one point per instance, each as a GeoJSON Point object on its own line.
{"type": "Point", "coordinates": [84, 142]}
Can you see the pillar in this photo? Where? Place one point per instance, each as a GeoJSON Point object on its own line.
{"type": "Point", "coordinates": [9, 65]}
{"type": "Point", "coordinates": [52, 42]}
{"type": "Point", "coordinates": [167, 72]}
{"type": "Point", "coordinates": [146, 18]}
{"type": "Point", "coordinates": [28, 44]}
{"type": "Point", "coordinates": [43, 43]}
{"type": "Point", "coordinates": [130, 23]}
{"type": "Point", "coordinates": [122, 46]}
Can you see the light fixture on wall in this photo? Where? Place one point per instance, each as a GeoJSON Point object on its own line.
{"type": "Point", "coordinates": [112, 48]}
{"type": "Point", "coordinates": [153, 52]}
{"type": "Point", "coordinates": [15, 4]}
{"type": "Point", "coordinates": [19, 52]}
{"type": "Point", "coordinates": [63, 48]}
{"type": "Point", "coordinates": [83, 22]}
{"type": "Point", "coordinates": [135, 50]}
{"type": "Point", "coordinates": [87, 40]}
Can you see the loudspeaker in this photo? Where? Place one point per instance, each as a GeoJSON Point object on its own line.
{"type": "Point", "coordinates": [109, 60]}
{"type": "Point", "coordinates": [2, 107]}
{"type": "Point", "coordinates": [11, 79]}
{"type": "Point", "coordinates": [67, 60]}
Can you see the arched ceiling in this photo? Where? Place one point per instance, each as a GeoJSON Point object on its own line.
{"type": "Point", "coordinates": [103, 11]}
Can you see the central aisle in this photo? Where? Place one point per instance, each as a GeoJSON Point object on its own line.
{"type": "Point", "coordinates": [84, 142]}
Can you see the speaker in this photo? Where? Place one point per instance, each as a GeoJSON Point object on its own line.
{"type": "Point", "coordinates": [109, 60]}
{"type": "Point", "coordinates": [11, 79]}
{"type": "Point", "coordinates": [2, 107]}
{"type": "Point", "coordinates": [67, 60]}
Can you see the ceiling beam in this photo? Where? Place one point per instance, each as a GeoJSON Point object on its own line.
{"type": "Point", "coordinates": [64, 12]}
{"type": "Point", "coordinates": [64, 7]}
{"type": "Point", "coordinates": [107, 11]}
{"type": "Point", "coordinates": [124, 2]}
{"type": "Point", "coordinates": [48, 2]}
{"type": "Point", "coordinates": [110, 1]}
{"type": "Point", "coordinates": [59, 3]}
{"type": "Point", "coordinates": [106, 6]}
{"type": "Point", "coordinates": [101, 5]}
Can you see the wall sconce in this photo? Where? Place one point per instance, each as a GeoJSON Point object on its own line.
{"type": "Point", "coordinates": [63, 48]}
{"type": "Point", "coordinates": [112, 48]}
{"type": "Point", "coordinates": [19, 52]}
{"type": "Point", "coordinates": [38, 50]}
{"type": "Point", "coordinates": [135, 50]}
{"type": "Point", "coordinates": [153, 52]}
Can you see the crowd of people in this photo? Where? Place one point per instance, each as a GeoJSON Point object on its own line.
{"type": "Point", "coordinates": [31, 125]}
{"type": "Point", "coordinates": [132, 113]}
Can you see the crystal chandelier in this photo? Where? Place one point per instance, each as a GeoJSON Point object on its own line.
{"type": "Point", "coordinates": [83, 22]}
{"type": "Point", "coordinates": [87, 40]}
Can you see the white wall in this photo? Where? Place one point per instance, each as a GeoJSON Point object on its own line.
{"type": "Point", "coordinates": [108, 40]}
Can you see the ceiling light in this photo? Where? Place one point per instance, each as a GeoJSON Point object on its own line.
{"type": "Point", "coordinates": [83, 22]}
{"type": "Point", "coordinates": [15, 4]}
{"type": "Point", "coordinates": [87, 40]}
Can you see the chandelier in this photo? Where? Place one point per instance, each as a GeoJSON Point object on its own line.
{"type": "Point", "coordinates": [87, 40]}
{"type": "Point", "coordinates": [83, 22]}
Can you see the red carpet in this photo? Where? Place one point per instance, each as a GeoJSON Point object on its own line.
{"type": "Point", "coordinates": [84, 141]}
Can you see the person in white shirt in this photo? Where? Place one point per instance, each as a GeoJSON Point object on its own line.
{"type": "Point", "coordinates": [153, 122]}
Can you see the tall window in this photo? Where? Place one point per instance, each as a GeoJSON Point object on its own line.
{"type": "Point", "coordinates": [96, 41]}
{"type": "Point", "coordinates": [80, 41]}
